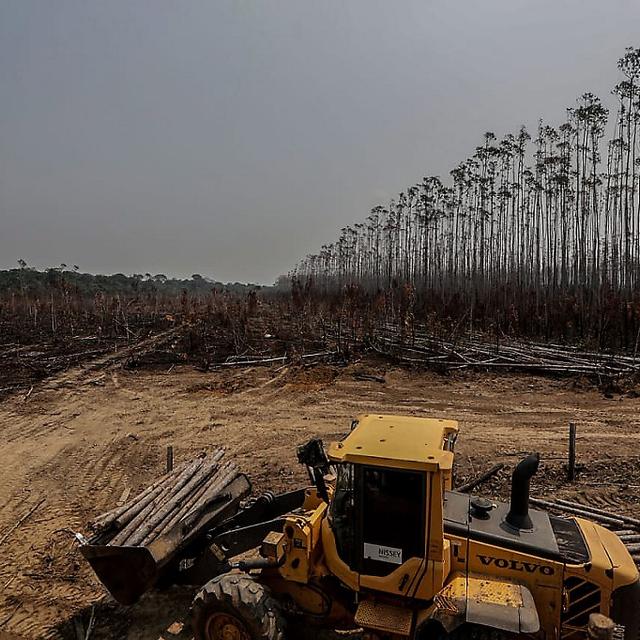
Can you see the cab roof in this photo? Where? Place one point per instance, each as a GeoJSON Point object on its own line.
{"type": "Point", "coordinates": [397, 441]}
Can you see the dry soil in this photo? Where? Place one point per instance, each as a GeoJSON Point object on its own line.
{"type": "Point", "coordinates": [80, 443]}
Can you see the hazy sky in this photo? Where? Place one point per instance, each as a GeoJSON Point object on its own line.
{"type": "Point", "coordinates": [230, 138]}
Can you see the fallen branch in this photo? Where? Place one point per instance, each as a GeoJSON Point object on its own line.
{"type": "Point", "coordinates": [367, 377]}
{"type": "Point", "coordinates": [583, 513]}
{"type": "Point", "coordinates": [92, 620]}
{"type": "Point", "coordinates": [634, 522]}
{"type": "Point", "coordinates": [24, 517]}
{"type": "Point", "coordinates": [483, 477]}
{"type": "Point", "coordinates": [484, 353]}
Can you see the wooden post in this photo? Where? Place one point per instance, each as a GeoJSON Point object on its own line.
{"type": "Point", "coordinates": [169, 459]}
{"type": "Point", "coordinates": [571, 469]}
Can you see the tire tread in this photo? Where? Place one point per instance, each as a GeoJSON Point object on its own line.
{"type": "Point", "coordinates": [240, 595]}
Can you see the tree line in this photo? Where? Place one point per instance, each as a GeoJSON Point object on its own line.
{"type": "Point", "coordinates": [60, 302]}
{"type": "Point", "coordinates": [535, 234]}
{"type": "Point", "coordinates": [30, 281]}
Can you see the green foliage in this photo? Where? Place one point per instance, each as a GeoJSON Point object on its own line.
{"type": "Point", "coordinates": [29, 281]}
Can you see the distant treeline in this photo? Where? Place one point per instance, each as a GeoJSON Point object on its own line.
{"type": "Point", "coordinates": [535, 234]}
{"type": "Point", "coordinates": [29, 281]}
{"type": "Point", "coordinates": [61, 303]}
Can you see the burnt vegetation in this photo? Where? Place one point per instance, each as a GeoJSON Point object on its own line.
{"type": "Point", "coordinates": [534, 236]}
{"type": "Point", "coordinates": [527, 258]}
{"type": "Point", "coordinates": [53, 319]}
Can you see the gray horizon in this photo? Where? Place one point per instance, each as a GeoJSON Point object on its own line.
{"type": "Point", "coordinates": [232, 138]}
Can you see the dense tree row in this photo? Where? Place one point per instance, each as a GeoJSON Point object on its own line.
{"type": "Point", "coordinates": [61, 302]}
{"type": "Point", "coordinates": [30, 281]}
{"type": "Point", "coordinates": [538, 236]}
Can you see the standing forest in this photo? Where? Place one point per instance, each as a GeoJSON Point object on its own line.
{"type": "Point", "coordinates": [537, 234]}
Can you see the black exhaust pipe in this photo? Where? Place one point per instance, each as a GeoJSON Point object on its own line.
{"type": "Point", "coordinates": [518, 515]}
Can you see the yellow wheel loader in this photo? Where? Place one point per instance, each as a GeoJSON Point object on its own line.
{"type": "Point", "coordinates": [379, 546]}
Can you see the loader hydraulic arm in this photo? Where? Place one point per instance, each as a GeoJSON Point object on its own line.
{"type": "Point", "coordinates": [314, 457]}
{"type": "Point", "coordinates": [245, 530]}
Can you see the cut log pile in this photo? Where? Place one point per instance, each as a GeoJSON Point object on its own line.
{"type": "Point", "coordinates": [176, 497]}
{"type": "Point", "coordinates": [246, 361]}
{"type": "Point", "coordinates": [626, 527]}
{"type": "Point", "coordinates": [482, 353]}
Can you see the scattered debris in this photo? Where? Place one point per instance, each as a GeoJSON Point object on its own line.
{"type": "Point", "coordinates": [483, 477]}
{"type": "Point", "coordinates": [21, 520]}
{"type": "Point", "coordinates": [512, 355]}
{"type": "Point", "coordinates": [125, 495]}
{"type": "Point", "coordinates": [175, 628]}
{"type": "Point", "coordinates": [367, 377]}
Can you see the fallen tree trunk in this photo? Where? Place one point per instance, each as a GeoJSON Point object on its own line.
{"type": "Point", "coordinates": [124, 536]}
{"type": "Point", "coordinates": [151, 530]}
{"type": "Point", "coordinates": [483, 477]}
{"type": "Point", "coordinates": [613, 522]}
{"type": "Point", "coordinates": [120, 516]}
{"type": "Point", "coordinates": [635, 522]}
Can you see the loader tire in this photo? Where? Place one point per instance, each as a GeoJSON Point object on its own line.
{"type": "Point", "coordinates": [234, 606]}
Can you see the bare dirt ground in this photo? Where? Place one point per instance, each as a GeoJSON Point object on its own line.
{"type": "Point", "coordinates": [79, 443]}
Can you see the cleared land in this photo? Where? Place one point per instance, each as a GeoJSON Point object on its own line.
{"type": "Point", "coordinates": [81, 441]}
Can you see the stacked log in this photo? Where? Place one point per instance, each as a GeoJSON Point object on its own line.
{"type": "Point", "coordinates": [178, 496]}
{"type": "Point", "coordinates": [626, 528]}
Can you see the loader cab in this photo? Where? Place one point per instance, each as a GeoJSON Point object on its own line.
{"type": "Point", "coordinates": [378, 516]}
{"type": "Point", "coordinates": [386, 510]}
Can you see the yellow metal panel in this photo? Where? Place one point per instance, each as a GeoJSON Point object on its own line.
{"type": "Point", "coordinates": [433, 579]}
{"type": "Point", "coordinates": [302, 534]}
{"type": "Point", "coordinates": [600, 564]}
{"type": "Point", "coordinates": [438, 549]}
{"type": "Point", "coordinates": [626, 571]}
{"type": "Point", "coordinates": [455, 589]}
{"type": "Point", "coordinates": [606, 552]}
{"type": "Point", "coordinates": [435, 524]}
{"type": "Point", "coordinates": [398, 441]}
{"type": "Point", "coordinates": [543, 578]}
{"type": "Point", "coordinates": [599, 558]}
{"type": "Point", "coordinates": [333, 561]}
{"type": "Point", "coordinates": [487, 601]}
{"type": "Point", "coordinates": [483, 589]}
{"type": "Point", "coordinates": [397, 582]}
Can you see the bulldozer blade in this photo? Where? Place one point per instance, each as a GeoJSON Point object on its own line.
{"type": "Point", "coordinates": [129, 572]}
{"type": "Point", "coordinates": [126, 572]}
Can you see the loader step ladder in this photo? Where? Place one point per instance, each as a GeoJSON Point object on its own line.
{"type": "Point", "coordinates": [384, 617]}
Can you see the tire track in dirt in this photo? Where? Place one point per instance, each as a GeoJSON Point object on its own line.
{"type": "Point", "coordinates": [94, 478]}
{"type": "Point", "coordinates": [73, 376]}
{"type": "Point", "coordinates": [80, 476]}
{"type": "Point", "coordinates": [82, 446]}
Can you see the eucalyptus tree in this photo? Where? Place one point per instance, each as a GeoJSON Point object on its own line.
{"type": "Point", "coordinates": [542, 235]}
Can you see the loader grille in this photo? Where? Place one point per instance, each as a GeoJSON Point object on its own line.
{"type": "Point", "coordinates": [582, 598]}
{"type": "Point", "coordinates": [625, 609]}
